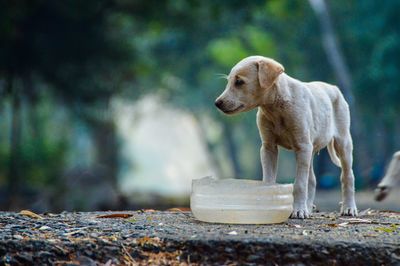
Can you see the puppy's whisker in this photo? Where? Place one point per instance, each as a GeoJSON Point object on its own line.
{"type": "Point", "coordinates": [222, 76]}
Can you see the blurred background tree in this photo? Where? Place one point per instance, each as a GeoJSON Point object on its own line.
{"type": "Point", "coordinates": [63, 63]}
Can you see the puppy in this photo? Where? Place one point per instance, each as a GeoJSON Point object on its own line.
{"type": "Point", "coordinates": [391, 179]}
{"type": "Point", "coordinates": [301, 116]}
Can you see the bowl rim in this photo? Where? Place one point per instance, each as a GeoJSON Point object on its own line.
{"type": "Point", "coordinates": [214, 183]}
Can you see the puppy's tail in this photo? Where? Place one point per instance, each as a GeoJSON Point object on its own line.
{"type": "Point", "coordinates": [332, 154]}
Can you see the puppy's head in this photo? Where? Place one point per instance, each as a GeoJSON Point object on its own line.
{"type": "Point", "coordinates": [248, 82]}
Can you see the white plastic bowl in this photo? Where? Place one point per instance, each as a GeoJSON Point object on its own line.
{"type": "Point", "coordinates": [239, 201]}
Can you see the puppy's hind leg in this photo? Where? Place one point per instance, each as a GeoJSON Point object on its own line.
{"type": "Point", "coordinates": [312, 182]}
{"type": "Point", "coordinates": [344, 148]}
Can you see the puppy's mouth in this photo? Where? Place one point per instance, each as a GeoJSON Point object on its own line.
{"type": "Point", "coordinates": [232, 111]}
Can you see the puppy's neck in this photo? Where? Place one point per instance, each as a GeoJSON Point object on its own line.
{"type": "Point", "coordinates": [277, 93]}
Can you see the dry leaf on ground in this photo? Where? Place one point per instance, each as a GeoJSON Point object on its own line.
{"type": "Point", "coordinates": [115, 215]}
{"type": "Point", "coordinates": [148, 240]}
{"type": "Point", "coordinates": [179, 209]}
{"type": "Point", "coordinates": [356, 220]}
{"type": "Point", "coordinates": [148, 210]}
{"type": "Point", "coordinates": [30, 214]}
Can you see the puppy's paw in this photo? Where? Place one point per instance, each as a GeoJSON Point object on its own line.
{"type": "Point", "coordinates": [300, 213]}
{"type": "Point", "coordinates": [348, 210]}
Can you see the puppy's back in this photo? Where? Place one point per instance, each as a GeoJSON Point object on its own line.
{"type": "Point", "coordinates": [319, 87]}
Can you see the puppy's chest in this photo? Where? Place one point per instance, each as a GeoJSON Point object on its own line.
{"type": "Point", "coordinates": [278, 117]}
{"type": "Point", "coordinates": [280, 128]}
{"type": "Point", "coordinates": [279, 125]}
{"type": "Point", "coordinates": [281, 122]}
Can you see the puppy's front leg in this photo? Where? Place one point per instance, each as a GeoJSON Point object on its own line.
{"type": "Point", "coordinates": [303, 159]}
{"type": "Point", "coordinates": [269, 161]}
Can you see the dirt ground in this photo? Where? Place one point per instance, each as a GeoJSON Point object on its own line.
{"type": "Point", "coordinates": [174, 237]}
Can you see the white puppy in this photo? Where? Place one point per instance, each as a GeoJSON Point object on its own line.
{"type": "Point", "coordinates": [301, 116]}
{"type": "Point", "coordinates": [391, 179]}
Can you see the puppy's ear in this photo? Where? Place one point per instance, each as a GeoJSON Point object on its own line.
{"type": "Point", "coordinates": [268, 72]}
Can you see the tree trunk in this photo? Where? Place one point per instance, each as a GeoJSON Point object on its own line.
{"type": "Point", "coordinates": [342, 73]}
{"type": "Point", "coordinates": [397, 134]}
{"type": "Point", "coordinates": [31, 96]}
{"type": "Point", "coordinates": [211, 148]}
{"type": "Point", "coordinates": [106, 166]}
{"type": "Point", "coordinates": [388, 141]}
{"type": "Point", "coordinates": [332, 49]}
{"type": "Point", "coordinates": [14, 170]}
{"type": "Point", "coordinates": [383, 148]}
{"type": "Point", "coordinates": [232, 150]}
{"type": "Point", "coordinates": [106, 145]}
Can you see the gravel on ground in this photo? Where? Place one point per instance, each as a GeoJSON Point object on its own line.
{"type": "Point", "coordinates": [175, 237]}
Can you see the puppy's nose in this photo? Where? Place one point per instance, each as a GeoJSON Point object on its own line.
{"type": "Point", "coordinates": [219, 103]}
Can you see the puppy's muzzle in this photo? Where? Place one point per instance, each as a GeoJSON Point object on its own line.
{"type": "Point", "coordinates": [219, 104]}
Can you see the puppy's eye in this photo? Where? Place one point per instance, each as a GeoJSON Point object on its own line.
{"type": "Point", "coordinates": [239, 82]}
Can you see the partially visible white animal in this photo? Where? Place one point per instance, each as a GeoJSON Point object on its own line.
{"type": "Point", "coordinates": [391, 178]}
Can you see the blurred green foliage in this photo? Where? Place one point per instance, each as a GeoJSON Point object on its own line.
{"type": "Point", "coordinates": [77, 55]}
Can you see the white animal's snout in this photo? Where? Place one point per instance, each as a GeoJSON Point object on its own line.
{"type": "Point", "coordinates": [381, 193]}
{"type": "Point", "coordinates": [391, 178]}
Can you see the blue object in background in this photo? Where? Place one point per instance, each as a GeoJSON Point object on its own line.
{"type": "Point", "coordinates": [328, 181]}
